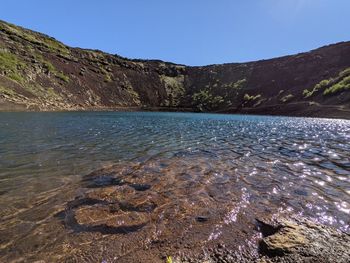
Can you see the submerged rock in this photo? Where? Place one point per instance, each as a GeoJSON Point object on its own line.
{"type": "Point", "coordinates": [305, 241]}
{"type": "Point", "coordinates": [290, 235]}
{"type": "Point", "coordinates": [288, 241]}
{"type": "Point", "coordinates": [202, 218]}
{"type": "Point", "coordinates": [157, 213]}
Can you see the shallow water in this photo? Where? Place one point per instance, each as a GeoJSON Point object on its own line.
{"type": "Point", "coordinates": [201, 178]}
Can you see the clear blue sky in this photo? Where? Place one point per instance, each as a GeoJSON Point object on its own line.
{"type": "Point", "coordinates": [193, 32]}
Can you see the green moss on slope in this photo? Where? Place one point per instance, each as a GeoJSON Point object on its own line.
{"type": "Point", "coordinates": [319, 86]}
{"type": "Point", "coordinates": [331, 86]}
{"type": "Point", "coordinates": [248, 97]}
{"type": "Point", "coordinates": [11, 66]}
{"type": "Point", "coordinates": [34, 38]}
{"type": "Point", "coordinates": [51, 68]}
{"type": "Point", "coordinates": [340, 86]}
{"type": "Point", "coordinates": [174, 87]}
{"type": "Point", "coordinates": [7, 91]}
{"type": "Point", "coordinates": [239, 84]}
{"type": "Point", "coordinates": [205, 101]}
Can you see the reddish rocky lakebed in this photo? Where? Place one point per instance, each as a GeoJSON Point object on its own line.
{"type": "Point", "coordinates": [178, 187]}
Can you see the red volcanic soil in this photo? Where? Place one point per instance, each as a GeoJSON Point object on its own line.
{"type": "Point", "coordinates": [40, 73]}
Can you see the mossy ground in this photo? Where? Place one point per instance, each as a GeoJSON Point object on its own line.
{"type": "Point", "coordinates": [51, 68]}
{"type": "Point", "coordinates": [7, 91]}
{"type": "Point", "coordinates": [11, 66]}
{"type": "Point", "coordinates": [35, 38]}
{"type": "Point", "coordinates": [175, 89]}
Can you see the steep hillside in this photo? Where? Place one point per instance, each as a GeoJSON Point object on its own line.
{"type": "Point", "coordinates": [38, 72]}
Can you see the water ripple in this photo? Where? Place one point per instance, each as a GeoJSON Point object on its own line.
{"type": "Point", "coordinates": [243, 163]}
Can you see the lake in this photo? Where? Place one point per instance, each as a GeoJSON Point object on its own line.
{"type": "Point", "coordinates": [120, 186]}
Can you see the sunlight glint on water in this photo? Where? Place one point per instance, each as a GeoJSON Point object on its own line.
{"type": "Point", "coordinates": [300, 165]}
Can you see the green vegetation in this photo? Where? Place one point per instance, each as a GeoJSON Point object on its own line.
{"type": "Point", "coordinates": [48, 65]}
{"type": "Point", "coordinates": [34, 38]}
{"type": "Point", "coordinates": [340, 86]}
{"type": "Point", "coordinates": [7, 91]}
{"type": "Point", "coordinates": [162, 65]}
{"type": "Point", "coordinates": [48, 94]}
{"type": "Point", "coordinates": [54, 45]}
{"type": "Point", "coordinates": [100, 61]}
{"type": "Point", "coordinates": [140, 64]}
{"type": "Point", "coordinates": [239, 84]}
{"type": "Point", "coordinates": [62, 76]}
{"type": "Point", "coordinates": [52, 94]}
{"type": "Point", "coordinates": [252, 100]}
{"type": "Point", "coordinates": [174, 87]}
{"type": "Point", "coordinates": [9, 61]}
{"type": "Point", "coordinates": [95, 56]}
{"type": "Point", "coordinates": [248, 97]}
{"type": "Point", "coordinates": [344, 73]}
{"type": "Point", "coordinates": [180, 68]}
{"type": "Point", "coordinates": [205, 101]}
{"type": "Point", "coordinates": [321, 85]}
{"type": "Point", "coordinates": [11, 66]}
{"type": "Point", "coordinates": [307, 93]}
{"type": "Point", "coordinates": [126, 85]}
{"type": "Point", "coordinates": [35, 90]}
{"type": "Point", "coordinates": [331, 86]}
{"type": "Point", "coordinates": [51, 68]}
{"type": "Point", "coordinates": [16, 77]}
{"type": "Point", "coordinates": [287, 98]}
{"type": "Point", "coordinates": [341, 83]}
{"type": "Point", "coordinates": [107, 75]}
{"type": "Point", "coordinates": [135, 96]}
{"type": "Point", "coordinates": [169, 259]}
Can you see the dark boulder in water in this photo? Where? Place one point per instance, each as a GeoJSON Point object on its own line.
{"type": "Point", "coordinates": [202, 218]}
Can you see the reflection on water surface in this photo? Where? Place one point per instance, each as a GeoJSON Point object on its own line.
{"type": "Point", "coordinates": [169, 182]}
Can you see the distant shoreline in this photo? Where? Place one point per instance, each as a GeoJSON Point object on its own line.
{"type": "Point", "coordinates": [322, 111]}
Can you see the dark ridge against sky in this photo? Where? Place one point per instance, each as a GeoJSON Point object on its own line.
{"type": "Point", "coordinates": [192, 32]}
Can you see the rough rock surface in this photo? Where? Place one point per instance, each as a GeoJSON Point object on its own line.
{"type": "Point", "coordinates": [305, 241]}
{"type": "Point", "coordinates": [38, 72]}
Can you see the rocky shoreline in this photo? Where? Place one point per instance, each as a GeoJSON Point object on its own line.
{"type": "Point", "coordinates": [296, 240]}
{"type": "Point", "coordinates": [316, 113]}
{"type": "Point", "coordinates": [301, 240]}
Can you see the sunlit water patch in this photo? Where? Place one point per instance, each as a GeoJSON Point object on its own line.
{"type": "Point", "coordinates": [112, 186]}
